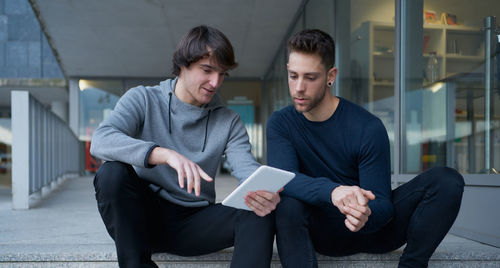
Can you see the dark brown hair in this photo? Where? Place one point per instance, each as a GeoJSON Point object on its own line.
{"type": "Point", "coordinates": [194, 46]}
{"type": "Point", "coordinates": [314, 41]}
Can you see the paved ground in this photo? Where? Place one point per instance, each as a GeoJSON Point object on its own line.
{"type": "Point", "coordinates": [67, 216]}
{"type": "Point", "coordinates": [67, 223]}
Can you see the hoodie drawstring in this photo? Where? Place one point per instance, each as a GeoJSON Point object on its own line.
{"type": "Point", "coordinates": [206, 130]}
{"type": "Point", "coordinates": [170, 121]}
{"type": "Point", "coordinates": [169, 116]}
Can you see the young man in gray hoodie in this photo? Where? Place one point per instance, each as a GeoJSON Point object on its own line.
{"type": "Point", "coordinates": [162, 146]}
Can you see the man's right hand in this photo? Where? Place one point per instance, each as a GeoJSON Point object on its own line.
{"type": "Point", "coordinates": [352, 201]}
{"type": "Point", "coordinates": [186, 169]}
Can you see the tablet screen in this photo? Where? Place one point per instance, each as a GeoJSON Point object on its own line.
{"type": "Point", "coordinates": [264, 178]}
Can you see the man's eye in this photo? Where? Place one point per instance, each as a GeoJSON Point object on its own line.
{"type": "Point", "coordinates": [311, 78]}
{"type": "Point", "coordinates": [206, 70]}
{"type": "Point", "coordinates": [293, 76]}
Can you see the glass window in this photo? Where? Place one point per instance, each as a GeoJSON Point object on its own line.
{"type": "Point", "coordinates": [365, 57]}
{"type": "Point", "coordinates": [319, 15]}
{"type": "Point", "coordinates": [97, 99]}
{"type": "Point", "coordinates": [451, 116]}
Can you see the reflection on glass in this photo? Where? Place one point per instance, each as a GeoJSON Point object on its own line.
{"type": "Point", "coordinates": [97, 100]}
{"type": "Point", "coordinates": [444, 117]}
{"type": "Point", "coordinates": [5, 152]}
{"type": "Point", "coordinates": [366, 77]}
{"type": "Point", "coordinates": [315, 14]}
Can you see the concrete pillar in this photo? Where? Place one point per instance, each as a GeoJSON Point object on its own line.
{"type": "Point", "coordinates": [74, 109]}
{"type": "Point", "coordinates": [20, 149]}
{"type": "Point", "coordinates": [60, 108]}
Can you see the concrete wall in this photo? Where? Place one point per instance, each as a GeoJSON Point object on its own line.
{"type": "Point", "coordinates": [24, 50]}
{"type": "Point", "coordinates": [479, 218]}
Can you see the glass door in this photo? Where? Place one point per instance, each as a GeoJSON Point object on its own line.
{"type": "Point", "coordinates": [449, 70]}
{"type": "Point", "coordinates": [450, 95]}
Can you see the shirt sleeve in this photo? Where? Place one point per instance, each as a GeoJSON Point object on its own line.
{"type": "Point", "coordinates": [281, 153]}
{"type": "Point", "coordinates": [238, 151]}
{"type": "Point", "coordinates": [374, 165]}
{"type": "Point", "coordinates": [114, 139]}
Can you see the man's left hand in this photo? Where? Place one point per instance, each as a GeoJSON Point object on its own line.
{"type": "Point", "coordinates": [262, 202]}
{"type": "Point", "coordinates": [356, 216]}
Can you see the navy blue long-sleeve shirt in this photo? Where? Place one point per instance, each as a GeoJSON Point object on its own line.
{"type": "Point", "coordinates": [349, 148]}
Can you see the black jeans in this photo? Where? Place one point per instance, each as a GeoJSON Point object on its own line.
{"type": "Point", "coordinates": [141, 223]}
{"type": "Point", "coordinates": [425, 209]}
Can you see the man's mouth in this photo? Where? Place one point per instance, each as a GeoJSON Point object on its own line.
{"type": "Point", "coordinates": [208, 90]}
{"type": "Point", "coordinates": [300, 100]}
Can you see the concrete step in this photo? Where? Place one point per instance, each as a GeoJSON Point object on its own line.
{"type": "Point", "coordinates": [453, 252]}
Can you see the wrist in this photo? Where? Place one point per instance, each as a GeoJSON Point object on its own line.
{"type": "Point", "coordinates": [158, 156]}
{"type": "Point", "coordinates": [332, 194]}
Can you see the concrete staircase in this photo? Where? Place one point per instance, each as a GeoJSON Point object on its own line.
{"type": "Point", "coordinates": [65, 230]}
{"type": "Point", "coordinates": [453, 252]}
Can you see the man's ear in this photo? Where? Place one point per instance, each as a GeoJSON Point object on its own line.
{"type": "Point", "coordinates": [332, 74]}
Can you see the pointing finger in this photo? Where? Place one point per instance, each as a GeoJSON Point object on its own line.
{"type": "Point", "coordinates": [204, 175]}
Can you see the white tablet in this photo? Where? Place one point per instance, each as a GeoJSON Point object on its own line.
{"type": "Point", "coordinates": [264, 178]}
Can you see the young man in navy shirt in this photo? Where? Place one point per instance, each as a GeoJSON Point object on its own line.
{"type": "Point", "coordinates": [340, 201]}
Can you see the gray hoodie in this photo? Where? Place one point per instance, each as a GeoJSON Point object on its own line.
{"type": "Point", "coordinates": [147, 117]}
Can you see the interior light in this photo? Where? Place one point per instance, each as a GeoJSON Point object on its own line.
{"type": "Point", "coordinates": [83, 84]}
{"type": "Point", "coordinates": [436, 87]}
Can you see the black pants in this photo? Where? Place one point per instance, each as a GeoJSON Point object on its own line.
{"type": "Point", "coordinates": [425, 209]}
{"type": "Point", "coordinates": [141, 223]}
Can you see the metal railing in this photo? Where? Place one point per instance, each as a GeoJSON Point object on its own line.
{"type": "Point", "coordinates": [44, 149]}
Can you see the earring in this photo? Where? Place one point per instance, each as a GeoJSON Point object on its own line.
{"type": "Point", "coordinates": [329, 84]}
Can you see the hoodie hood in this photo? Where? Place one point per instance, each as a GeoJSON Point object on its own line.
{"type": "Point", "coordinates": [168, 86]}
{"type": "Point", "coordinates": [200, 113]}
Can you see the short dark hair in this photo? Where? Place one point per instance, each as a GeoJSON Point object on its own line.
{"type": "Point", "coordinates": [193, 47]}
{"type": "Point", "coordinates": [314, 41]}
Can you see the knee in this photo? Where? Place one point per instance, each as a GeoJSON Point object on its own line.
{"type": "Point", "coordinates": [447, 182]}
{"type": "Point", "coordinates": [111, 179]}
{"type": "Point", "coordinates": [290, 212]}
{"type": "Point", "coordinates": [264, 225]}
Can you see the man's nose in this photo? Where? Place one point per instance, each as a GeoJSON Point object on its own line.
{"type": "Point", "coordinates": [216, 80]}
{"type": "Point", "coordinates": [299, 85]}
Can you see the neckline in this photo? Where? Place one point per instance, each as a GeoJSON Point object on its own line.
{"type": "Point", "coordinates": [331, 118]}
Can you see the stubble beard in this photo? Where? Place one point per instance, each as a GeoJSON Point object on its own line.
{"type": "Point", "coordinates": [312, 105]}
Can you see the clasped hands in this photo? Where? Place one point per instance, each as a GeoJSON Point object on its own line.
{"type": "Point", "coordinates": [261, 202]}
{"type": "Point", "coordinates": [352, 201]}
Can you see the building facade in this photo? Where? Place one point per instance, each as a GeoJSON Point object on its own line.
{"type": "Point", "coordinates": [429, 69]}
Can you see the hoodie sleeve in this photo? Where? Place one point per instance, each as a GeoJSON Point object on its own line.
{"type": "Point", "coordinates": [115, 138]}
{"type": "Point", "coordinates": [238, 151]}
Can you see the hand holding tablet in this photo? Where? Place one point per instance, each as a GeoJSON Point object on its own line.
{"type": "Point", "coordinates": [264, 178]}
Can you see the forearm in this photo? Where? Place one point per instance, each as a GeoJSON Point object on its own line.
{"type": "Point", "coordinates": [238, 152]}
{"type": "Point", "coordinates": [314, 191]}
{"type": "Point", "coordinates": [382, 212]}
{"type": "Point", "coordinates": [375, 174]}
{"type": "Point", "coordinates": [118, 137]}
{"type": "Point", "coordinates": [112, 145]}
